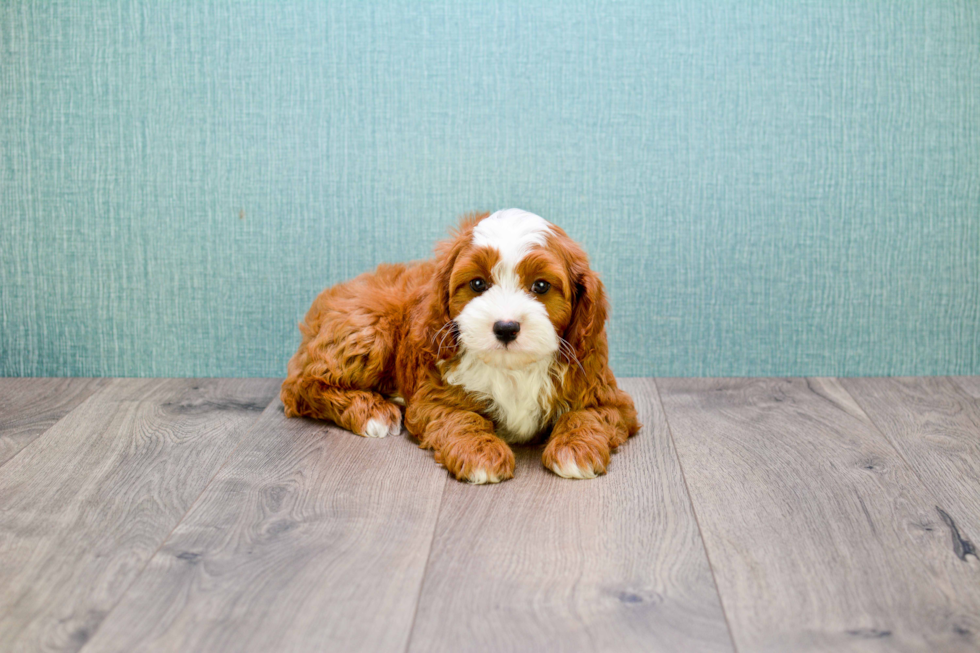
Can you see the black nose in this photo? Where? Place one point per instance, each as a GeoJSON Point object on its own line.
{"type": "Point", "coordinates": [506, 331]}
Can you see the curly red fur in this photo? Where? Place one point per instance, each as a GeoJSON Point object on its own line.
{"type": "Point", "coordinates": [390, 333]}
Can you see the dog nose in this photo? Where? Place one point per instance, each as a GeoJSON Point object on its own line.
{"type": "Point", "coordinates": [506, 331]}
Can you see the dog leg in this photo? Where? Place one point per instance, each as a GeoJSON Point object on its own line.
{"type": "Point", "coordinates": [464, 443]}
{"type": "Point", "coordinates": [364, 412]}
{"type": "Point", "coordinates": [582, 440]}
{"type": "Point", "coordinates": [342, 365]}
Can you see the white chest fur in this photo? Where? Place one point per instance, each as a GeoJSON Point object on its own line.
{"type": "Point", "coordinates": [519, 398]}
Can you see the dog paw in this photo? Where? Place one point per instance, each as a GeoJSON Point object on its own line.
{"type": "Point", "coordinates": [482, 476]}
{"type": "Point", "coordinates": [580, 457]}
{"type": "Point", "coordinates": [384, 423]}
{"type": "Point", "coordinates": [478, 460]}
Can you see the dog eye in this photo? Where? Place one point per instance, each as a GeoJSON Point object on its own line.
{"type": "Point", "coordinates": [540, 287]}
{"type": "Point", "coordinates": [478, 285]}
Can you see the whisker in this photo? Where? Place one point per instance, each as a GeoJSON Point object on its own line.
{"type": "Point", "coordinates": [448, 327]}
{"type": "Point", "coordinates": [446, 334]}
{"type": "Point", "coordinates": [452, 330]}
{"type": "Point", "coordinates": [566, 348]}
{"type": "Point", "coordinates": [564, 353]}
{"type": "Point", "coordinates": [436, 334]}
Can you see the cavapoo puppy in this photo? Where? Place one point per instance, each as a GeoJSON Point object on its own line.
{"type": "Point", "coordinates": [499, 339]}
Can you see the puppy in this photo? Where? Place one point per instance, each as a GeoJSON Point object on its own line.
{"type": "Point", "coordinates": [497, 340]}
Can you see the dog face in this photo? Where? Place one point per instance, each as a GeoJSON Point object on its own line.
{"type": "Point", "coordinates": [515, 287]}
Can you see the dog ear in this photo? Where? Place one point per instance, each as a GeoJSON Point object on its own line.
{"type": "Point", "coordinates": [447, 251]}
{"type": "Point", "coordinates": [586, 330]}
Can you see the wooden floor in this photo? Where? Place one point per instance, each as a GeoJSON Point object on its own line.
{"type": "Point", "coordinates": [749, 514]}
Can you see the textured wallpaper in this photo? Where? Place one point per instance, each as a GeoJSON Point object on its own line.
{"type": "Point", "coordinates": [767, 188]}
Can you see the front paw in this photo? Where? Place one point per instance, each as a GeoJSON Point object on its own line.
{"type": "Point", "coordinates": [583, 455]}
{"type": "Point", "coordinates": [477, 458]}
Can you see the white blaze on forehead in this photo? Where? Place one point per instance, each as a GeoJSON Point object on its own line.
{"type": "Point", "coordinates": [513, 233]}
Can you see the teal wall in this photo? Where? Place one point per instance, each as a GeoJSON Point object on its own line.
{"type": "Point", "coordinates": [768, 188]}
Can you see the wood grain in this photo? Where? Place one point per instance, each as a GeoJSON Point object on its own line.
{"type": "Point", "coordinates": [820, 536]}
{"type": "Point", "coordinates": [936, 428]}
{"type": "Point", "coordinates": [542, 563]}
{"type": "Point", "coordinates": [83, 508]}
{"type": "Point", "coordinates": [310, 539]}
{"type": "Point", "coordinates": [29, 407]}
{"type": "Point", "coordinates": [970, 384]}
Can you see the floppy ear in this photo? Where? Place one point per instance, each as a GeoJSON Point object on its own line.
{"type": "Point", "coordinates": [586, 332]}
{"type": "Point", "coordinates": [446, 254]}
{"type": "Point", "coordinates": [447, 251]}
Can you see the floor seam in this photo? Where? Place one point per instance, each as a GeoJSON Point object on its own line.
{"type": "Point", "coordinates": [955, 381]}
{"type": "Point", "coordinates": [928, 488]}
{"type": "Point", "coordinates": [694, 512]}
{"type": "Point", "coordinates": [98, 391]}
{"type": "Point", "coordinates": [428, 559]}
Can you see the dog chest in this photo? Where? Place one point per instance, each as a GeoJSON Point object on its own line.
{"type": "Point", "coordinates": [519, 398]}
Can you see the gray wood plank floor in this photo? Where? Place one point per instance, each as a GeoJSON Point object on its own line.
{"type": "Point", "coordinates": [546, 563]}
{"type": "Point", "coordinates": [748, 515]}
{"type": "Point", "coordinates": [310, 538]}
{"type": "Point", "coordinates": [83, 508]}
{"type": "Point", "coordinates": [970, 384]}
{"type": "Point", "coordinates": [820, 535]}
{"type": "Point", "coordinates": [29, 407]}
{"type": "Point", "coordinates": [933, 424]}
